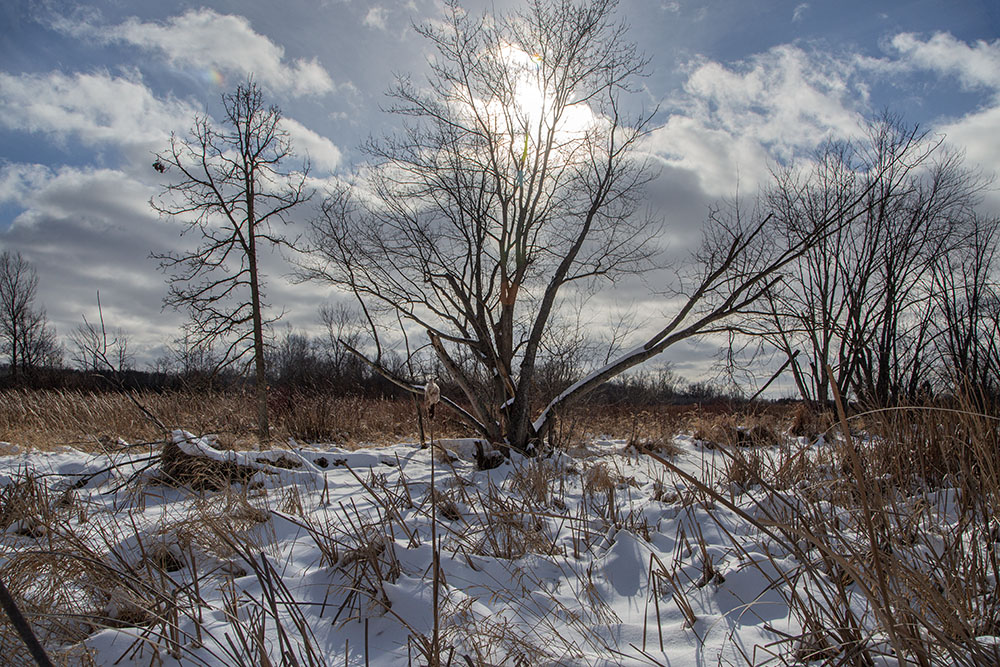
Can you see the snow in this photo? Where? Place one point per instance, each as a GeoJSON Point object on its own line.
{"type": "Point", "coordinates": [553, 561]}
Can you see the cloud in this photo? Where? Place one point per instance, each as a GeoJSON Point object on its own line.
{"type": "Point", "coordinates": [89, 194]}
{"type": "Point", "coordinates": [99, 111]}
{"type": "Point", "coordinates": [976, 66]}
{"type": "Point", "coordinates": [730, 120]}
{"type": "Point", "coordinates": [323, 154]}
{"type": "Point", "coordinates": [978, 135]}
{"type": "Point", "coordinates": [375, 18]}
{"type": "Point", "coordinates": [721, 161]}
{"type": "Point", "coordinates": [212, 44]}
{"type": "Point", "coordinates": [88, 230]}
{"type": "Point", "coordinates": [17, 181]}
{"type": "Point", "coordinates": [799, 12]}
{"type": "Point", "coordinates": [96, 109]}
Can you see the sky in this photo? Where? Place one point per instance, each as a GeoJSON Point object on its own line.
{"type": "Point", "coordinates": [89, 91]}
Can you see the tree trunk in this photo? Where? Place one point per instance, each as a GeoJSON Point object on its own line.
{"type": "Point", "coordinates": [14, 351]}
{"type": "Point", "coordinates": [260, 371]}
{"type": "Point", "coordinates": [519, 427]}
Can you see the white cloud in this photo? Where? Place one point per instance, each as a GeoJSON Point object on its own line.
{"type": "Point", "coordinates": [87, 230]}
{"type": "Point", "coordinates": [103, 111]}
{"type": "Point", "coordinates": [730, 120]}
{"type": "Point", "coordinates": [323, 154]}
{"type": "Point", "coordinates": [799, 11]}
{"type": "Point", "coordinates": [97, 195]}
{"type": "Point", "coordinates": [720, 160]}
{"type": "Point", "coordinates": [978, 133]}
{"type": "Point", "coordinates": [207, 41]}
{"type": "Point", "coordinates": [375, 18]}
{"type": "Point", "coordinates": [17, 181]}
{"type": "Point", "coordinates": [976, 66]}
{"type": "Point", "coordinates": [96, 108]}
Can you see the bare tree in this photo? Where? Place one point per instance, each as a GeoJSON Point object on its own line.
{"type": "Point", "coordinates": [28, 341]}
{"type": "Point", "coordinates": [860, 302]}
{"type": "Point", "coordinates": [97, 350]}
{"type": "Point", "coordinates": [234, 189]}
{"type": "Point", "coordinates": [967, 315]}
{"type": "Point", "coordinates": [39, 348]}
{"type": "Point", "coordinates": [517, 178]}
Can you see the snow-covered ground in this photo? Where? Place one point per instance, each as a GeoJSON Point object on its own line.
{"type": "Point", "coordinates": [601, 556]}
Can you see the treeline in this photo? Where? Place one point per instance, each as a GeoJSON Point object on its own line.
{"type": "Point", "coordinates": [299, 363]}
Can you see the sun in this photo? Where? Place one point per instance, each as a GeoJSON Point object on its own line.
{"type": "Point", "coordinates": [533, 101]}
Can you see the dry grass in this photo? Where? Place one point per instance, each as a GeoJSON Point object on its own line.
{"type": "Point", "coordinates": [894, 529]}
{"type": "Point", "coordinates": [96, 421]}
{"type": "Point", "coordinates": [45, 419]}
{"type": "Point", "coordinates": [738, 430]}
{"type": "Point", "coordinates": [653, 427]}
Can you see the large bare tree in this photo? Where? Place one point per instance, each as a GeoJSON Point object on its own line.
{"type": "Point", "coordinates": [25, 335]}
{"type": "Point", "coordinates": [517, 178]}
{"type": "Point", "coordinates": [234, 189]}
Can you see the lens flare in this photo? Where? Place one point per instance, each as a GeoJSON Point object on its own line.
{"type": "Point", "coordinates": [213, 76]}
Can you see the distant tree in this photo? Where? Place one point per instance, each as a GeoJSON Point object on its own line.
{"type": "Point", "coordinates": [232, 187]}
{"type": "Point", "coordinates": [26, 337]}
{"type": "Point", "coordinates": [294, 361]}
{"type": "Point", "coordinates": [99, 351]}
{"type": "Point", "coordinates": [197, 364]}
{"type": "Point", "coordinates": [344, 331]}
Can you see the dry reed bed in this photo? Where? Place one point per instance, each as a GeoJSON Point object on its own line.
{"type": "Point", "coordinates": [90, 421]}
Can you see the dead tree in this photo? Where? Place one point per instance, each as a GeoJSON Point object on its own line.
{"type": "Point", "coordinates": [99, 351]}
{"type": "Point", "coordinates": [234, 189]}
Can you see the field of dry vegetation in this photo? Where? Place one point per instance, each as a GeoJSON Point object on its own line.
{"type": "Point", "coordinates": [90, 421]}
